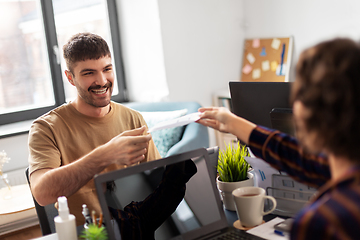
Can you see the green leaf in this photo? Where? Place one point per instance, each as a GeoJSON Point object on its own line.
{"type": "Point", "coordinates": [93, 232]}
{"type": "Point", "coordinates": [232, 166]}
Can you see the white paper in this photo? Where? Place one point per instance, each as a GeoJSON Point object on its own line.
{"type": "Point", "coordinates": [266, 230]}
{"type": "Point", "coordinates": [177, 122]}
{"type": "Point", "coordinates": [265, 65]}
{"type": "Point", "coordinates": [275, 44]}
{"type": "Point", "coordinates": [256, 73]}
{"type": "Point", "coordinates": [263, 171]}
{"type": "Point", "coordinates": [250, 57]}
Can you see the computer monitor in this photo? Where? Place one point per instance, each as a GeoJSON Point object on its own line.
{"type": "Point", "coordinates": [263, 103]}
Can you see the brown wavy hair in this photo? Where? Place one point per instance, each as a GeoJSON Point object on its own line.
{"type": "Point", "coordinates": [84, 46]}
{"type": "Point", "coordinates": [328, 84]}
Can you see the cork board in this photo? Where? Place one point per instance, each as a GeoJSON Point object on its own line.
{"type": "Point", "coordinates": [267, 60]}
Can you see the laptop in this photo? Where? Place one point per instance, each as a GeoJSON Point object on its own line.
{"type": "Point", "coordinates": [199, 215]}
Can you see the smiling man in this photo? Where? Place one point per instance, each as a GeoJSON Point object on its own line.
{"type": "Point", "coordinates": [86, 136]}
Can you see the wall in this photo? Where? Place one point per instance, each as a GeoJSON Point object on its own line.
{"type": "Point", "coordinates": [202, 43]}
{"type": "Point", "coordinates": [142, 50]}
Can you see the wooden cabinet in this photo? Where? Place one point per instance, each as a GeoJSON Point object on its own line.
{"type": "Point", "coordinates": [223, 99]}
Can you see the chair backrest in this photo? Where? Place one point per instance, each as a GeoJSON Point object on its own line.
{"type": "Point", "coordinates": [46, 214]}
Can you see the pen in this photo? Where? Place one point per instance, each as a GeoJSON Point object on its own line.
{"type": "Point", "coordinates": [279, 232]}
{"type": "Point", "coordinates": [86, 214]}
{"type": "Point", "coordinates": [100, 220]}
{"type": "Point", "coordinates": [93, 217]}
{"type": "Point", "coordinates": [282, 59]}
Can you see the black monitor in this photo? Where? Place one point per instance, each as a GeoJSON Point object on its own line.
{"type": "Point", "coordinates": [263, 103]}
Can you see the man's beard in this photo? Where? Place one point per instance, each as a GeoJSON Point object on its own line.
{"type": "Point", "coordinates": [87, 95]}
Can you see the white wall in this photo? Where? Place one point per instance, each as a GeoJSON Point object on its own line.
{"type": "Point", "coordinates": [142, 50]}
{"type": "Point", "coordinates": [202, 42]}
{"type": "Point", "coordinates": [195, 46]}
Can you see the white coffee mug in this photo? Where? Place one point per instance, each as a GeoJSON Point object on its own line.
{"type": "Point", "coordinates": [249, 203]}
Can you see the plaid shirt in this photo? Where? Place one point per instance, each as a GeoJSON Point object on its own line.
{"type": "Point", "coordinates": [334, 212]}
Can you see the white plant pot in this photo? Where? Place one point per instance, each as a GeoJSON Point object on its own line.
{"type": "Point", "coordinates": [226, 188]}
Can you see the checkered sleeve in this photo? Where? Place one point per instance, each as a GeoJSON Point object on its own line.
{"type": "Point", "coordinates": [284, 153]}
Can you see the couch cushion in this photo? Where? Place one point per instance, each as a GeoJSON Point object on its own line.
{"type": "Point", "coordinates": [166, 138]}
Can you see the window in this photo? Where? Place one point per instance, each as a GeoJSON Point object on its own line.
{"type": "Point", "coordinates": [32, 79]}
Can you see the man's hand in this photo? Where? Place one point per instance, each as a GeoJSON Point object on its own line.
{"type": "Point", "coordinates": [128, 147]}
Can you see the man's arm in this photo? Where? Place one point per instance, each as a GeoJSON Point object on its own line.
{"type": "Point", "coordinates": [127, 148]}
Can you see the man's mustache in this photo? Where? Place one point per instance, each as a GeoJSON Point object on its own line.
{"type": "Point", "coordinates": [95, 87]}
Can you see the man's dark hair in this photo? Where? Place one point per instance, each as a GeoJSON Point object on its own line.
{"type": "Point", "coordinates": [84, 46]}
{"type": "Point", "coordinates": [328, 84]}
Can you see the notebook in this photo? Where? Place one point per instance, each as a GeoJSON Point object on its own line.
{"type": "Point", "coordinates": [199, 215]}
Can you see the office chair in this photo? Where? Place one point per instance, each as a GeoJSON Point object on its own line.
{"type": "Point", "coordinates": [45, 214]}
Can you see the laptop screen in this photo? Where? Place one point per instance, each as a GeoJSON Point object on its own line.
{"type": "Point", "coordinates": [152, 196]}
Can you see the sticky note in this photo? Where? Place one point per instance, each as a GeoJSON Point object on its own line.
{"type": "Point", "coordinates": [280, 70]}
{"type": "Point", "coordinates": [263, 52]}
{"type": "Point", "coordinates": [275, 44]}
{"type": "Point", "coordinates": [247, 69]}
{"type": "Point", "coordinates": [256, 43]}
{"type": "Point", "coordinates": [265, 65]}
{"type": "Point", "coordinates": [250, 57]}
{"type": "Point", "coordinates": [273, 65]}
{"type": "Point", "coordinates": [256, 73]}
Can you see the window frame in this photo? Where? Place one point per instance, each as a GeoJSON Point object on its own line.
{"type": "Point", "coordinates": [55, 67]}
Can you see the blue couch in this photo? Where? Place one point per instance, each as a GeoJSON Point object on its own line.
{"type": "Point", "coordinates": [194, 135]}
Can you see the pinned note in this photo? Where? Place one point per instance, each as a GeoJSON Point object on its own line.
{"type": "Point", "coordinates": [256, 74]}
{"type": "Point", "coordinates": [250, 57]}
{"type": "Point", "coordinates": [275, 44]}
{"type": "Point", "coordinates": [281, 69]}
{"type": "Point", "coordinates": [256, 43]}
{"type": "Point", "coordinates": [265, 65]}
{"type": "Point", "coordinates": [247, 69]}
{"type": "Point", "coordinates": [274, 65]}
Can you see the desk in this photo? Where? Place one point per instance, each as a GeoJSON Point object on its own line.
{"type": "Point", "coordinates": [231, 216]}
{"type": "Point", "coordinates": [17, 209]}
{"type": "Point", "coordinates": [54, 236]}
{"type": "Point", "coordinates": [48, 237]}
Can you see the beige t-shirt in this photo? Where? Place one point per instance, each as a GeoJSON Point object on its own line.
{"type": "Point", "coordinates": [64, 135]}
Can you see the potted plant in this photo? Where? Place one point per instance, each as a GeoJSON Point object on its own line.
{"type": "Point", "coordinates": [94, 232]}
{"type": "Point", "coordinates": [233, 172]}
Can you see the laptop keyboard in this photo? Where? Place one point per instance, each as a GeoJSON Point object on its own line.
{"type": "Point", "coordinates": [236, 235]}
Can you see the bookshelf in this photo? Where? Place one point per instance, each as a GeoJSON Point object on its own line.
{"type": "Point", "coordinates": [222, 99]}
